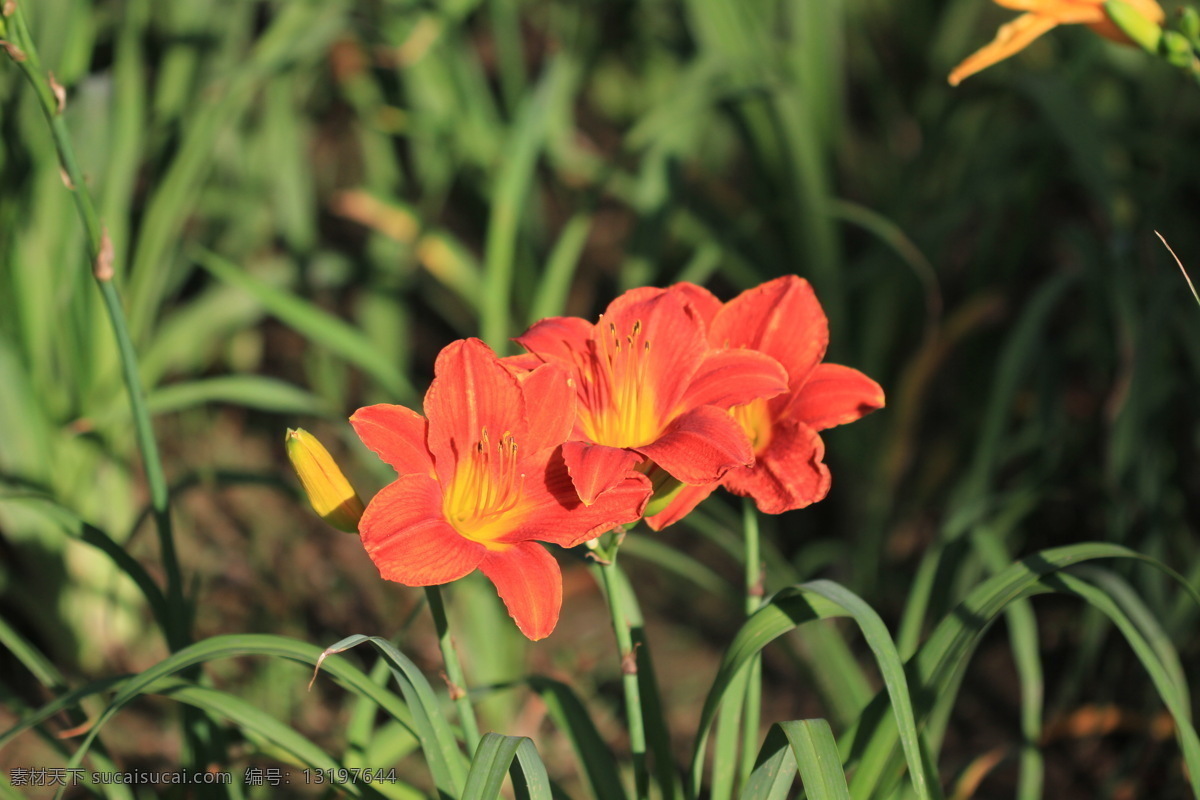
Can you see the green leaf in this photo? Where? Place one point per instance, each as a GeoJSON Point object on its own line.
{"type": "Point", "coordinates": [807, 744]}
{"type": "Point", "coordinates": [572, 719]}
{"type": "Point", "coordinates": [263, 729]}
{"type": "Point", "coordinates": [211, 649]}
{"type": "Point", "coordinates": [790, 608]}
{"type": "Point", "coordinates": [446, 762]}
{"type": "Point", "coordinates": [317, 325]}
{"type": "Point", "coordinates": [938, 665]}
{"type": "Point", "coordinates": [91, 535]}
{"type": "Point", "coordinates": [493, 760]}
{"type": "Point", "coordinates": [249, 391]}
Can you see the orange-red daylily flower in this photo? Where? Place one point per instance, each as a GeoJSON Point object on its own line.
{"type": "Point", "coordinates": [650, 388]}
{"type": "Point", "coordinates": [482, 480]}
{"type": "Point", "coordinates": [782, 319]}
{"type": "Point", "coordinates": [1041, 16]}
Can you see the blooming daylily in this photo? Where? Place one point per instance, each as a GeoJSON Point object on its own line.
{"type": "Point", "coordinates": [782, 319]}
{"type": "Point", "coordinates": [1041, 16]}
{"type": "Point", "coordinates": [482, 480]}
{"type": "Point", "coordinates": [650, 388]}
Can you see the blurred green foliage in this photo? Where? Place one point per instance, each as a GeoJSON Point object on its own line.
{"type": "Point", "coordinates": [308, 199]}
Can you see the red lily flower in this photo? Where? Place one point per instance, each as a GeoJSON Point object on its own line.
{"type": "Point", "coordinates": [782, 319]}
{"type": "Point", "coordinates": [481, 480]}
{"type": "Point", "coordinates": [650, 388]}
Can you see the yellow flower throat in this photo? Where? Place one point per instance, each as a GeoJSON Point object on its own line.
{"type": "Point", "coordinates": [618, 407]}
{"type": "Point", "coordinates": [485, 489]}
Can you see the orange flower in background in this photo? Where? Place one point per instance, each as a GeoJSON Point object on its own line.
{"type": "Point", "coordinates": [650, 388]}
{"type": "Point", "coordinates": [782, 319]}
{"type": "Point", "coordinates": [482, 480]}
{"type": "Point", "coordinates": [1042, 16]}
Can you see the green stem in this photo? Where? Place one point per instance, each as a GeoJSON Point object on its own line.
{"type": "Point", "coordinates": [629, 677]}
{"type": "Point", "coordinates": [454, 673]}
{"type": "Point", "coordinates": [24, 54]}
{"type": "Point", "coordinates": [752, 709]}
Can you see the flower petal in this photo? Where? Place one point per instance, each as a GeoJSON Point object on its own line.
{"type": "Point", "coordinates": [700, 446]}
{"type": "Point", "coordinates": [703, 302]}
{"type": "Point", "coordinates": [681, 505]}
{"type": "Point", "coordinates": [557, 338]}
{"type": "Point", "coordinates": [530, 584]}
{"type": "Point", "coordinates": [835, 395]}
{"type": "Point", "coordinates": [472, 392]}
{"type": "Point", "coordinates": [409, 539]}
{"type": "Point", "coordinates": [674, 341]}
{"type": "Point", "coordinates": [733, 377]}
{"type": "Point", "coordinates": [789, 474]}
{"type": "Point", "coordinates": [781, 318]}
{"type": "Point", "coordinates": [550, 402]}
{"type": "Point", "coordinates": [596, 468]}
{"type": "Point", "coordinates": [397, 435]}
{"type": "Point", "coordinates": [1010, 39]}
{"type": "Point", "coordinates": [556, 514]}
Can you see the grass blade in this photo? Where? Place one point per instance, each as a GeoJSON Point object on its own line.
{"type": "Point", "coordinates": [445, 760]}
{"type": "Point", "coordinates": [572, 718]}
{"type": "Point", "coordinates": [317, 325]}
{"type": "Point", "coordinates": [494, 758]}
{"type": "Point", "coordinates": [937, 666]}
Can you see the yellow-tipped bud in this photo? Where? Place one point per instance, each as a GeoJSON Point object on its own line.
{"type": "Point", "coordinates": [331, 495]}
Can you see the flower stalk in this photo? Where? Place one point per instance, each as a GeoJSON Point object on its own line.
{"type": "Point", "coordinates": [454, 672]}
{"type": "Point", "coordinates": [609, 576]}
{"type": "Point", "coordinates": [752, 709]}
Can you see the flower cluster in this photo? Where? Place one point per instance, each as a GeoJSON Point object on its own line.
{"type": "Point", "coordinates": [669, 395]}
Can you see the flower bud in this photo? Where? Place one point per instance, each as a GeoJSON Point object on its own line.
{"type": "Point", "coordinates": [1189, 25]}
{"type": "Point", "coordinates": [666, 488]}
{"type": "Point", "coordinates": [1139, 20]}
{"type": "Point", "coordinates": [331, 495]}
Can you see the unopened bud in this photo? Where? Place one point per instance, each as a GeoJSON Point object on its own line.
{"type": "Point", "coordinates": [666, 488]}
{"type": "Point", "coordinates": [1189, 24]}
{"type": "Point", "coordinates": [1177, 50]}
{"type": "Point", "coordinates": [331, 495]}
{"type": "Point", "coordinates": [1134, 23]}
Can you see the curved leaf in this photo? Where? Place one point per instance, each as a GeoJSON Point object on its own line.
{"type": "Point", "coordinates": [806, 744]}
{"type": "Point", "coordinates": [212, 649]}
{"type": "Point", "coordinates": [445, 760]}
{"type": "Point", "coordinates": [572, 719]}
{"type": "Point", "coordinates": [792, 607]}
{"type": "Point", "coordinates": [493, 759]}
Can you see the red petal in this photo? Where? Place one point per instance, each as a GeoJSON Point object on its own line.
{"type": "Point", "coordinates": [734, 377]}
{"type": "Point", "coordinates": [681, 505]}
{"type": "Point", "coordinates": [674, 335]}
{"type": "Point", "coordinates": [530, 584]}
{"type": "Point", "coordinates": [550, 402]}
{"type": "Point", "coordinates": [521, 363]}
{"type": "Point", "coordinates": [471, 392]}
{"type": "Point", "coordinates": [702, 301]}
{"type": "Point", "coordinates": [596, 468]}
{"type": "Point", "coordinates": [557, 338]}
{"type": "Point", "coordinates": [408, 538]}
{"type": "Point", "coordinates": [556, 514]}
{"type": "Point", "coordinates": [835, 395]}
{"type": "Point", "coordinates": [700, 446]}
{"type": "Point", "coordinates": [395, 434]}
{"type": "Point", "coordinates": [781, 318]}
{"type": "Point", "coordinates": [788, 474]}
